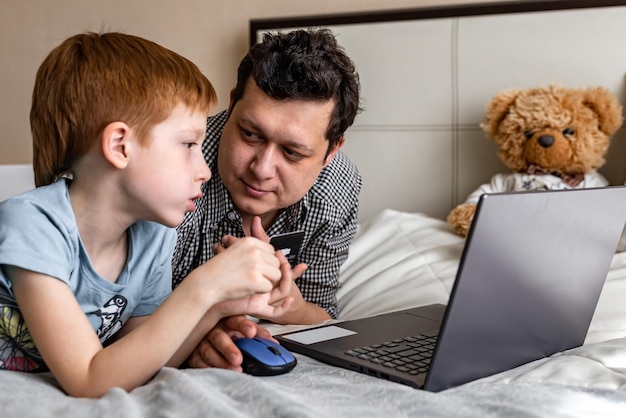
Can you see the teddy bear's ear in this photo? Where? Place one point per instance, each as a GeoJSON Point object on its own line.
{"type": "Point", "coordinates": [606, 106]}
{"type": "Point", "coordinates": [497, 109]}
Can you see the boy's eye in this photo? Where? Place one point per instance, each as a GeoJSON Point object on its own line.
{"type": "Point", "coordinates": [192, 144]}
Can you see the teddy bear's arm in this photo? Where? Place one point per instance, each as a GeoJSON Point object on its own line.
{"type": "Point", "coordinates": [460, 218]}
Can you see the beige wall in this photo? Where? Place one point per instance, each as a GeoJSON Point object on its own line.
{"type": "Point", "coordinates": [212, 33]}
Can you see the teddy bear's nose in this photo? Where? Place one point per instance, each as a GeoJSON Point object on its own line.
{"type": "Point", "coordinates": [546, 141]}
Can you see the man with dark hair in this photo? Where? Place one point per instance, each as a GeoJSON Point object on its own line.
{"type": "Point", "coordinates": [275, 153]}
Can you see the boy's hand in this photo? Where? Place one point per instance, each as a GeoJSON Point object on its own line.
{"type": "Point", "coordinates": [274, 304]}
{"type": "Point", "coordinates": [250, 266]}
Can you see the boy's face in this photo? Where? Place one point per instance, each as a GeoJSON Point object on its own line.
{"type": "Point", "coordinates": [168, 170]}
{"type": "Point", "coordinates": [272, 151]}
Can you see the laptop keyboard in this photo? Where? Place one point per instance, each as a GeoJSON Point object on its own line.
{"type": "Point", "coordinates": [411, 355]}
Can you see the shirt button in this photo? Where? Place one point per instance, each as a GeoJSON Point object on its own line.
{"type": "Point", "coordinates": [232, 216]}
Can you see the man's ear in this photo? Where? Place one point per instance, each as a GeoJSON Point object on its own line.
{"type": "Point", "coordinates": [230, 101]}
{"type": "Point", "coordinates": [333, 151]}
{"type": "Point", "coordinates": [115, 144]}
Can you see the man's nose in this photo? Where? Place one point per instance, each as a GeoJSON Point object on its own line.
{"type": "Point", "coordinates": [264, 162]}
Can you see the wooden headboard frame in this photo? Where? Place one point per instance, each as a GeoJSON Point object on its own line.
{"type": "Point", "coordinates": [427, 74]}
{"type": "Point", "coordinates": [434, 12]}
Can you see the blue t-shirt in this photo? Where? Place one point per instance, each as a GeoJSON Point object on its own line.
{"type": "Point", "coordinates": [38, 232]}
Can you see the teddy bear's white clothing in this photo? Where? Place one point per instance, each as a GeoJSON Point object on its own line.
{"type": "Point", "coordinates": [515, 182]}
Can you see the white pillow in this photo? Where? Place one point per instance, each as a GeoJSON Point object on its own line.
{"type": "Point", "coordinates": [398, 260]}
{"type": "Point", "coordinates": [621, 247]}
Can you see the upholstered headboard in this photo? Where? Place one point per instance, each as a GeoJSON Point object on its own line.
{"type": "Point", "coordinates": [15, 178]}
{"type": "Point", "coordinates": [427, 75]}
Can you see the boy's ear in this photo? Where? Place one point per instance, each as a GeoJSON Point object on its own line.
{"type": "Point", "coordinates": [115, 144]}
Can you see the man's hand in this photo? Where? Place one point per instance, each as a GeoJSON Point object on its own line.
{"type": "Point", "coordinates": [256, 230]}
{"type": "Point", "coordinates": [286, 299]}
{"type": "Point", "coordinates": [217, 349]}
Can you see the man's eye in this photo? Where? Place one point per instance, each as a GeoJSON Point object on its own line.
{"type": "Point", "coordinates": [292, 155]}
{"type": "Point", "coordinates": [248, 134]}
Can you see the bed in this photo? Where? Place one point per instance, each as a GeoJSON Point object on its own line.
{"type": "Point", "coordinates": [404, 254]}
{"type": "Point", "coordinates": [399, 259]}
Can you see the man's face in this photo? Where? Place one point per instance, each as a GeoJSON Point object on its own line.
{"type": "Point", "coordinates": [272, 151]}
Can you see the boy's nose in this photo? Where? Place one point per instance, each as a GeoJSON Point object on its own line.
{"type": "Point", "coordinates": [205, 172]}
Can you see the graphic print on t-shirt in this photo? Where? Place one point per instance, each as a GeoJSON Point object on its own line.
{"type": "Point", "coordinates": [111, 315]}
{"type": "Point", "coordinates": [17, 349]}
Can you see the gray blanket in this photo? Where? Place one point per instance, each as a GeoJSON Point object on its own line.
{"type": "Point", "coordinates": [314, 389]}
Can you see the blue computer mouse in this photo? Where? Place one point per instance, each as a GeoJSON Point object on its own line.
{"type": "Point", "coordinates": [262, 357]}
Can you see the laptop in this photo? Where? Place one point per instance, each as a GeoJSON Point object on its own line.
{"type": "Point", "coordinates": [529, 279]}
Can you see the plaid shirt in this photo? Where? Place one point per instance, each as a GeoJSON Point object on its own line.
{"type": "Point", "coordinates": [327, 214]}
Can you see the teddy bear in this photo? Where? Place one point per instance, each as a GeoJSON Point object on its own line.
{"type": "Point", "coordinates": [550, 137]}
